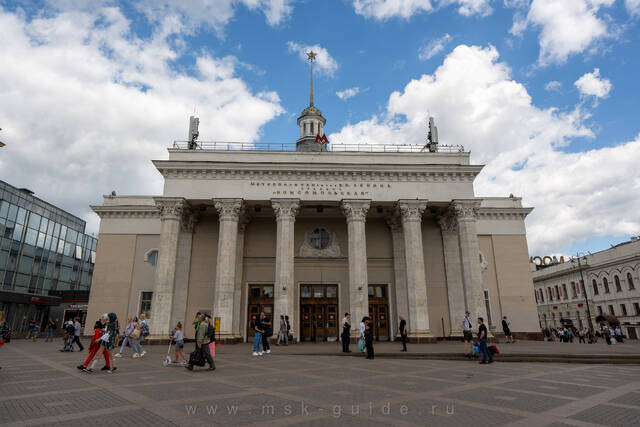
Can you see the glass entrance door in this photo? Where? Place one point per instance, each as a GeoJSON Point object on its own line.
{"type": "Point", "coordinates": [379, 312]}
{"type": "Point", "coordinates": [260, 300]}
{"type": "Point", "coordinates": [319, 313]}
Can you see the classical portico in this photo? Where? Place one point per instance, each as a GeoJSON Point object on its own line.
{"type": "Point", "coordinates": [312, 230]}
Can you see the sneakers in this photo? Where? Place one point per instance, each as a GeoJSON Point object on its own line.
{"type": "Point", "coordinates": [89, 370]}
{"type": "Point", "coordinates": [268, 351]}
{"type": "Point", "coordinates": [184, 363]}
{"type": "Point", "coordinates": [82, 367]}
{"type": "Point", "coordinates": [107, 368]}
{"type": "Point", "coordinates": [117, 355]}
{"type": "Point", "coordinates": [255, 353]}
{"type": "Point", "coordinates": [212, 368]}
{"type": "Point", "coordinates": [260, 353]}
{"type": "Point", "coordinates": [136, 355]}
{"type": "Point", "coordinates": [143, 353]}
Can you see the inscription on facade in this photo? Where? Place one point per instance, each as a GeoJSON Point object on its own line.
{"type": "Point", "coordinates": [293, 188]}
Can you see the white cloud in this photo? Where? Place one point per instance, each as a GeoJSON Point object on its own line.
{"type": "Point", "coordinates": [324, 62]}
{"type": "Point", "coordinates": [553, 86]}
{"type": "Point", "coordinates": [576, 195]}
{"type": "Point", "coordinates": [567, 27]}
{"type": "Point", "coordinates": [434, 47]}
{"type": "Point", "coordinates": [387, 9]}
{"type": "Point", "coordinates": [633, 7]}
{"type": "Point", "coordinates": [85, 107]}
{"type": "Point", "coordinates": [348, 93]}
{"type": "Point", "coordinates": [593, 85]}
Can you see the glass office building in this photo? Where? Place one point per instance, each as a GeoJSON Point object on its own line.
{"type": "Point", "coordinates": [46, 260]}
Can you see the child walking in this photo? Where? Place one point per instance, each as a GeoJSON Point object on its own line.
{"type": "Point", "coordinates": [178, 340]}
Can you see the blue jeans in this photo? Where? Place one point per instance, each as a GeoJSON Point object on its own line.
{"type": "Point", "coordinates": [485, 351]}
{"type": "Point", "coordinates": [49, 335]}
{"type": "Point", "coordinates": [257, 340]}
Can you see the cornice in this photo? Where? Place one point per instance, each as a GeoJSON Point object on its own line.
{"type": "Point", "coordinates": [314, 172]}
{"type": "Point", "coordinates": [503, 213]}
{"type": "Point", "coordinates": [138, 212]}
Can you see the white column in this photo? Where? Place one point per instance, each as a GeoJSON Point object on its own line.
{"type": "Point", "coordinates": [411, 212]}
{"type": "Point", "coordinates": [356, 213]}
{"type": "Point", "coordinates": [183, 268]}
{"type": "Point", "coordinates": [455, 288]}
{"type": "Point", "coordinates": [284, 303]}
{"type": "Point", "coordinates": [399, 270]}
{"type": "Point", "coordinates": [466, 213]}
{"type": "Point", "coordinates": [239, 313]}
{"type": "Point", "coordinates": [171, 211]}
{"type": "Point", "coordinates": [229, 211]}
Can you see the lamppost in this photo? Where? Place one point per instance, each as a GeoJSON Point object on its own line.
{"type": "Point", "coordinates": [580, 258]}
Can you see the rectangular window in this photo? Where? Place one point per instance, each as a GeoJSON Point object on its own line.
{"type": "Point", "coordinates": [145, 303]}
{"type": "Point", "coordinates": [318, 292]}
{"type": "Point", "coordinates": [600, 310]}
{"type": "Point", "coordinates": [255, 291]}
{"type": "Point", "coordinates": [487, 304]}
{"type": "Point", "coordinates": [41, 240]}
{"type": "Point", "coordinates": [34, 221]}
{"type": "Point", "coordinates": [305, 292]}
{"type": "Point", "coordinates": [31, 237]}
{"type": "Point", "coordinates": [17, 232]}
{"type": "Point", "coordinates": [636, 307]}
{"type": "Point", "coordinates": [267, 291]}
{"type": "Point", "coordinates": [22, 216]}
{"type": "Point", "coordinates": [611, 311]}
{"type": "Point", "coordinates": [4, 209]}
{"type": "Point", "coordinates": [43, 225]}
{"type": "Point", "coordinates": [332, 291]}
{"type": "Point", "coordinates": [624, 309]}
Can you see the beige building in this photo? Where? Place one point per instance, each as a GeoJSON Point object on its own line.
{"type": "Point", "coordinates": [611, 278]}
{"type": "Point", "coordinates": [312, 231]}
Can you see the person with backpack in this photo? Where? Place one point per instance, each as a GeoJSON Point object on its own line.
{"type": "Point", "coordinates": [202, 347]}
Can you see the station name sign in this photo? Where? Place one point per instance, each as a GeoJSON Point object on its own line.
{"type": "Point", "coordinates": [302, 188]}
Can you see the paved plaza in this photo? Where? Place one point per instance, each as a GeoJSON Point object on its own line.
{"type": "Point", "coordinates": [41, 386]}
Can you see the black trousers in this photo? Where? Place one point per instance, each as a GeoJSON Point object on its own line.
{"type": "Point", "coordinates": [404, 342]}
{"type": "Point", "coordinates": [206, 355]}
{"type": "Point", "coordinates": [345, 342]}
{"type": "Point", "coordinates": [369, 346]}
{"type": "Point", "coordinates": [76, 339]}
{"type": "Point", "coordinates": [265, 342]}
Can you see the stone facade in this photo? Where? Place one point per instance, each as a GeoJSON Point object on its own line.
{"type": "Point", "coordinates": [609, 284]}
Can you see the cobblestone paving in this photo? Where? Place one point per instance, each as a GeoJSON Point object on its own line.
{"type": "Point", "coordinates": [41, 386]}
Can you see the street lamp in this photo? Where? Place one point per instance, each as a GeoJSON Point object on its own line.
{"type": "Point", "coordinates": [582, 282]}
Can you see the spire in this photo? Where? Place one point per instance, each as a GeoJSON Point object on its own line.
{"type": "Point", "coordinates": [311, 55]}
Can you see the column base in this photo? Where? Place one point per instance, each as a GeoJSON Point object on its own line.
{"type": "Point", "coordinates": [420, 337]}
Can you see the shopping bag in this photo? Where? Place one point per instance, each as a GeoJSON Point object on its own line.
{"type": "Point", "coordinates": [361, 344]}
{"type": "Point", "coordinates": [212, 349]}
{"type": "Point", "coordinates": [195, 358]}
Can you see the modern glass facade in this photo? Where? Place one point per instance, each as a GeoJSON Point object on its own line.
{"type": "Point", "coordinates": [45, 257]}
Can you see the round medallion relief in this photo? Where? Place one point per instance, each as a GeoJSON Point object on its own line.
{"type": "Point", "coordinates": [320, 238]}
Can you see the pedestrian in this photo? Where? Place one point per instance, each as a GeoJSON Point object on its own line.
{"type": "Point", "coordinates": [257, 339]}
{"type": "Point", "coordinates": [268, 332]}
{"type": "Point", "coordinates": [403, 333]}
{"type": "Point", "coordinates": [507, 330]}
{"type": "Point", "coordinates": [33, 329]}
{"type": "Point", "coordinates": [144, 333]}
{"type": "Point", "coordinates": [107, 342]}
{"type": "Point", "coordinates": [5, 332]}
{"type": "Point", "coordinates": [345, 336]}
{"type": "Point", "coordinates": [128, 329]}
{"type": "Point", "coordinates": [48, 330]}
{"type": "Point", "coordinates": [289, 336]}
{"type": "Point", "coordinates": [363, 327]}
{"type": "Point", "coordinates": [467, 334]}
{"type": "Point", "coordinates": [368, 339]}
{"type": "Point", "coordinates": [94, 345]}
{"type": "Point", "coordinates": [202, 344]}
{"type": "Point", "coordinates": [76, 332]}
{"type": "Point", "coordinates": [134, 339]}
{"type": "Point", "coordinates": [178, 340]}
{"type": "Point", "coordinates": [482, 337]}
{"type": "Point", "coordinates": [581, 336]}
{"type": "Point", "coordinates": [69, 334]}
{"type": "Point", "coordinates": [282, 332]}
{"type": "Point", "coordinates": [619, 336]}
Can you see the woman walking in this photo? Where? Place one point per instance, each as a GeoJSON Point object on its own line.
{"type": "Point", "coordinates": [51, 326]}
{"type": "Point", "coordinates": [128, 329]}
{"type": "Point", "coordinates": [282, 333]}
{"type": "Point", "coordinates": [368, 339]}
{"type": "Point", "coordinates": [144, 332]}
{"type": "Point", "coordinates": [178, 340]}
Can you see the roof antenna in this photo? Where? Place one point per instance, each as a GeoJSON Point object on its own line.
{"type": "Point", "coordinates": [432, 137]}
{"type": "Point", "coordinates": [194, 122]}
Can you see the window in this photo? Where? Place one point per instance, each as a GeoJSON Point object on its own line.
{"type": "Point", "coordinates": [332, 291]}
{"type": "Point", "coordinates": [605, 283]}
{"type": "Point", "coordinates": [487, 305]}
{"type": "Point", "coordinates": [595, 287]}
{"type": "Point", "coordinates": [153, 258]}
{"type": "Point", "coordinates": [305, 292]}
{"type": "Point", "coordinates": [320, 238]}
{"type": "Point", "coordinates": [616, 280]}
{"type": "Point", "coordinates": [623, 308]}
{"type": "Point", "coordinates": [574, 291]}
{"type": "Point", "coordinates": [636, 307]}
{"type": "Point", "coordinates": [267, 291]}
{"type": "Point", "coordinates": [255, 291]}
{"type": "Point", "coordinates": [600, 310]}
{"type": "Point", "coordinates": [556, 294]}
{"type": "Point", "coordinates": [630, 281]}
{"type": "Point", "coordinates": [318, 291]}
{"type": "Point", "coordinates": [611, 310]}
{"type": "Point", "coordinates": [145, 303]}
{"type": "Point", "coordinates": [565, 294]}
{"type": "Point", "coordinates": [581, 287]}
{"type": "Point", "coordinates": [541, 296]}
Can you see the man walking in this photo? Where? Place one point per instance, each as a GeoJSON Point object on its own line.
{"type": "Point", "coordinates": [282, 333]}
{"type": "Point", "coordinates": [482, 337]}
{"type": "Point", "coordinates": [507, 331]}
{"type": "Point", "coordinates": [202, 344]}
{"type": "Point", "coordinates": [257, 339]}
{"type": "Point", "coordinates": [346, 333]}
{"type": "Point", "coordinates": [403, 333]}
{"type": "Point", "coordinates": [467, 335]}
{"type": "Point", "coordinates": [76, 333]}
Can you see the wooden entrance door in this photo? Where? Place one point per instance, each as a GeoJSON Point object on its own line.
{"type": "Point", "coordinates": [379, 312]}
{"type": "Point", "coordinates": [319, 312]}
{"type": "Point", "coordinates": [260, 300]}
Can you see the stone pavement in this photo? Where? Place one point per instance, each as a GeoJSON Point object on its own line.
{"type": "Point", "coordinates": [41, 386]}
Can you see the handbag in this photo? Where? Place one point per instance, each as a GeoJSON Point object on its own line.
{"type": "Point", "coordinates": [135, 334]}
{"type": "Point", "coordinates": [212, 349]}
{"type": "Point", "coordinates": [361, 344]}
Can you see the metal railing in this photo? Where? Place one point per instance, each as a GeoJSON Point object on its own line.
{"type": "Point", "coordinates": [343, 148]}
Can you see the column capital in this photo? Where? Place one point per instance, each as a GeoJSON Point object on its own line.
{"type": "Point", "coordinates": [448, 221]}
{"type": "Point", "coordinates": [465, 209]}
{"type": "Point", "coordinates": [170, 207]}
{"type": "Point", "coordinates": [229, 209]}
{"type": "Point", "coordinates": [355, 210]}
{"type": "Point", "coordinates": [245, 219]}
{"type": "Point", "coordinates": [394, 221]}
{"type": "Point", "coordinates": [285, 209]}
{"type": "Point", "coordinates": [411, 210]}
{"type": "Point", "coordinates": [189, 219]}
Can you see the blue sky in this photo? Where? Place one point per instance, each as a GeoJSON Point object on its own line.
{"type": "Point", "coordinates": [543, 92]}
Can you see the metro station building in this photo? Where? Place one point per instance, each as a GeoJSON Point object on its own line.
{"type": "Point", "coordinates": [313, 230]}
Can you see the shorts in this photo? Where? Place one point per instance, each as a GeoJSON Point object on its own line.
{"type": "Point", "coordinates": [108, 345]}
{"type": "Point", "coordinates": [180, 345]}
{"type": "Point", "coordinates": [507, 333]}
{"type": "Point", "coordinates": [467, 336]}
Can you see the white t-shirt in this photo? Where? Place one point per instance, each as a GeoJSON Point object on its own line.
{"type": "Point", "coordinates": [466, 323]}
